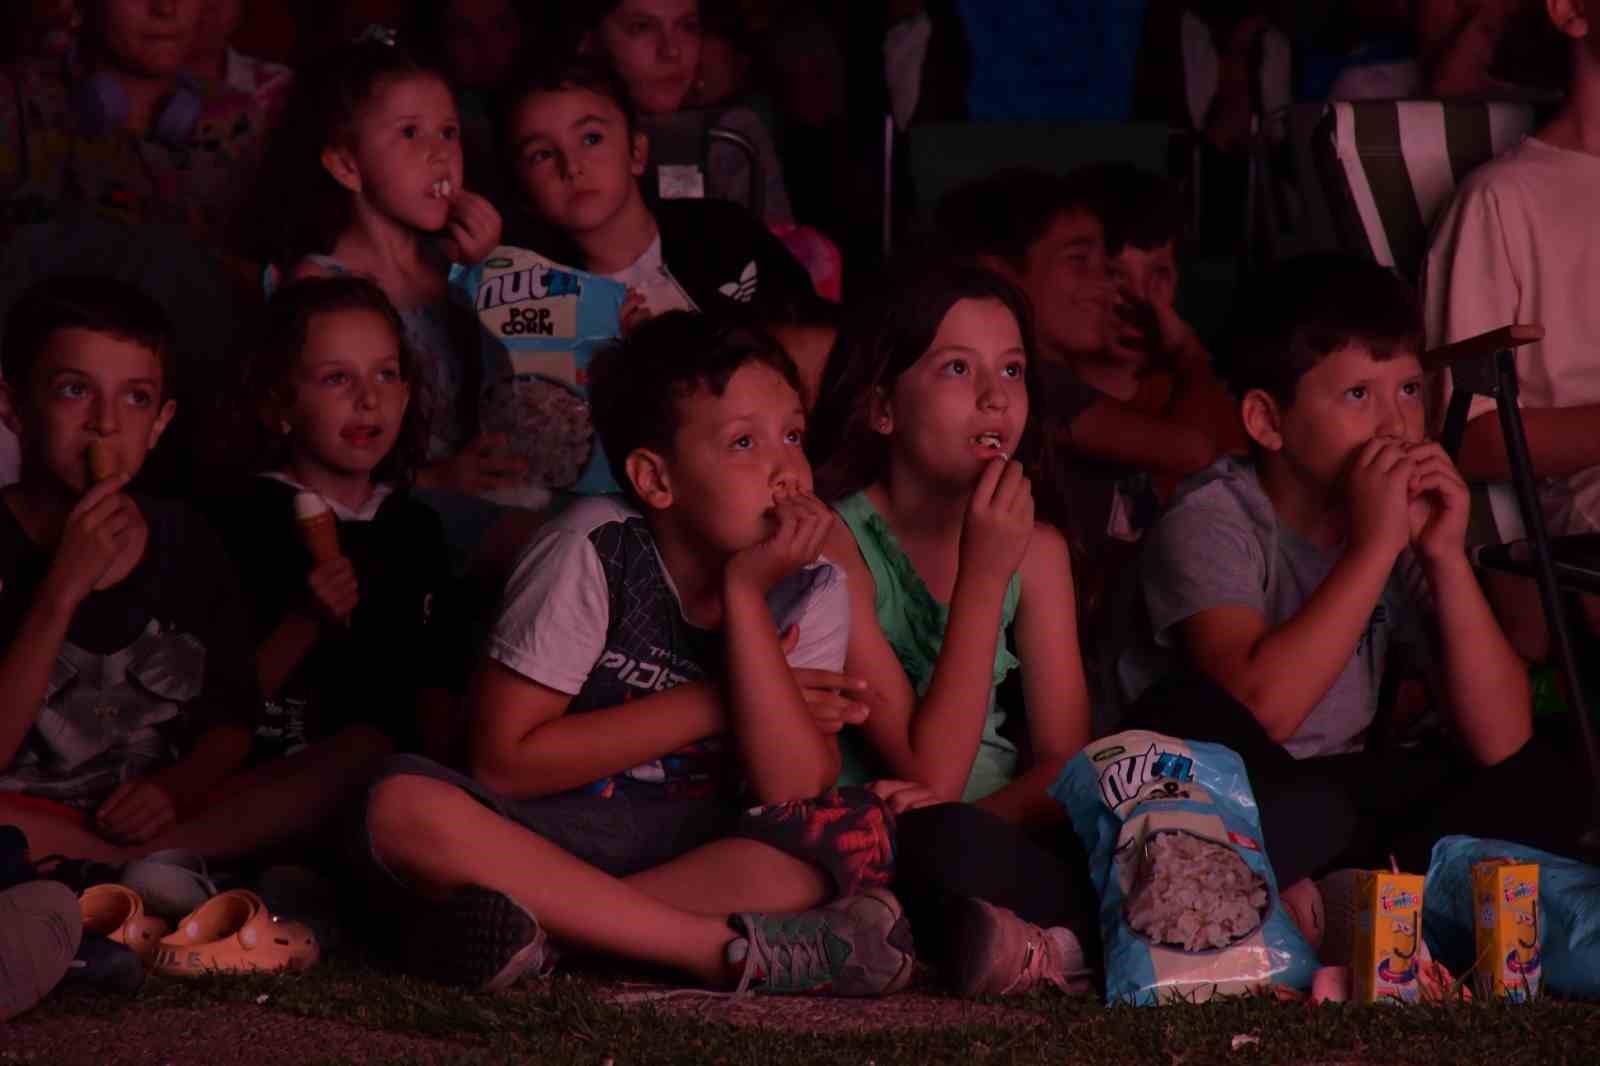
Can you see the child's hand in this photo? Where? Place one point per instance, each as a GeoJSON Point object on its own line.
{"type": "Point", "coordinates": [803, 525]}
{"type": "Point", "coordinates": [634, 311]}
{"type": "Point", "coordinates": [1154, 326]}
{"type": "Point", "coordinates": [137, 811]}
{"type": "Point", "coordinates": [903, 796]}
{"type": "Point", "coordinates": [473, 229]}
{"type": "Point", "coordinates": [1377, 488]}
{"type": "Point", "coordinates": [485, 465]}
{"type": "Point", "coordinates": [1439, 504]}
{"type": "Point", "coordinates": [100, 544]}
{"type": "Point", "coordinates": [335, 588]}
{"type": "Point", "coordinates": [999, 521]}
{"type": "Point", "coordinates": [835, 700]}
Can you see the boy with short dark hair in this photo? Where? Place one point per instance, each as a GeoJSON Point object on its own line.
{"type": "Point", "coordinates": [1284, 583]}
{"type": "Point", "coordinates": [636, 696]}
{"type": "Point", "coordinates": [127, 682]}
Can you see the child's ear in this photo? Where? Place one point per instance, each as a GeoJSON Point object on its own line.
{"type": "Point", "coordinates": [639, 153]}
{"type": "Point", "coordinates": [647, 473]}
{"type": "Point", "coordinates": [163, 420]}
{"type": "Point", "coordinates": [10, 414]}
{"type": "Point", "coordinates": [341, 166]}
{"type": "Point", "coordinates": [1263, 419]}
{"type": "Point", "coordinates": [880, 412]}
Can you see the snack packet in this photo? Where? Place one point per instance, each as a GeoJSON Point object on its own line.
{"type": "Point", "coordinates": [540, 324]}
{"type": "Point", "coordinates": [1188, 903]}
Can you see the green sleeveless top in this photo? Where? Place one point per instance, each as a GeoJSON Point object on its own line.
{"type": "Point", "coordinates": [914, 623]}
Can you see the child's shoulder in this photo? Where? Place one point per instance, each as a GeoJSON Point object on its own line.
{"type": "Point", "coordinates": [1532, 171]}
{"type": "Point", "coordinates": [588, 515]}
{"type": "Point", "coordinates": [1225, 496]}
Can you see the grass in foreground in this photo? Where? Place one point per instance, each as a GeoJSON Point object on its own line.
{"type": "Point", "coordinates": [569, 1020]}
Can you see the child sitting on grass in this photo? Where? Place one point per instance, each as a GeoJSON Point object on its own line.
{"type": "Point", "coordinates": [1287, 583]}
{"type": "Point", "coordinates": [924, 404]}
{"type": "Point", "coordinates": [574, 146]}
{"type": "Point", "coordinates": [127, 692]}
{"type": "Point", "coordinates": [360, 637]}
{"type": "Point", "coordinates": [635, 702]}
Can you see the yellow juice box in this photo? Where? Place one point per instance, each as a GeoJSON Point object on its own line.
{"type": "Point", "coordinates": [1388, 937]}
{"type": "Point", "coordinates": [1505, 898]}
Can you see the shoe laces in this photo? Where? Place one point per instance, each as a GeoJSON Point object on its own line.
{"type": "Point", "coordinates": [793, 958]}
{"type": "Point", "coordinates": [1037, 965]}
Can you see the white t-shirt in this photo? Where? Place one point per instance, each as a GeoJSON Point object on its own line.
{"type": "Point", "coordinates": [1521, 243]}
{"type": "Point", "coordinates": [650, 278]}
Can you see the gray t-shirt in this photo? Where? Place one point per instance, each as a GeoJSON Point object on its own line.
{"type": "Point", "coordinates": [1220, 544]}
{"type": "Point", "coordinates": [591, 611]}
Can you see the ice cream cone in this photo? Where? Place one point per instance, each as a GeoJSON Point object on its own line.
{"type": "Point", "coordinates": [102, 461]}
{"type": "Point", "coordinates": [319, 527]}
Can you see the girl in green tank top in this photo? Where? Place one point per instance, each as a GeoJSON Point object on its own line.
{"type": "Point", "coordinates": [922, 409]}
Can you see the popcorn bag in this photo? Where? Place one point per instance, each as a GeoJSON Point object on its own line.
{"type": "Point", "coordinates": [1188, 902]}
{"type": "Point", "coordinates": [540, 324]}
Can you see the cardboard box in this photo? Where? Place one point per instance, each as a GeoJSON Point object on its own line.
{"type": "Point", "coordinates": [1388, 937]}
{"type": "Point", "coordinates": [1505, 898]}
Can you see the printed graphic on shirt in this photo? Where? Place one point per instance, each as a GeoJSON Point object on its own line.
{"type": "Point", "coordinates": [97, 727]}
{"type": "Point", "coordinates": [743, 290]}
{"type": "Point", "coordinates": [650, 648]}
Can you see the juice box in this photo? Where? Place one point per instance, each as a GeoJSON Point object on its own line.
{"type": "Point", "coordinates": [1505, 898]}
{"type": "Point", "coordinates": [1388, 937]}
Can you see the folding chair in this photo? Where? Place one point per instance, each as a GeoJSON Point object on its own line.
{"type": "Point", "coordinates": [1389, 168]}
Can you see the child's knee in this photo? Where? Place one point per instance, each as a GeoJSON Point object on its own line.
{"type": "Point", "coordinates": [403, 810]}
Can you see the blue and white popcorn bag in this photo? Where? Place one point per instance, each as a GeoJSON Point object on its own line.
{"type": "Point", "coordinates": [540, 324]}
{"type": "Point", "coordinates": [1188, 902]}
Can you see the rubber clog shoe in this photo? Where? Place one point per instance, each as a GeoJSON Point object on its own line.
{"type": "Point", "coordinates": [117, 913]}
{"type": "Point", "coordinates": [233, 933]}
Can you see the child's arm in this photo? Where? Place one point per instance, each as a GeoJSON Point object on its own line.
{"type": "Point", "coordinates": [144, 808]}
{"type": "Point", "coordinates": [521, 742]}
{"type": "Point", "coordinates": [1280, 673]}
{"type": "Point", "coordinates": [1121, 433]}
{"type": "Point", "coordinates": [336, 592]}
{"type": "Point", "coordinates": [784, 754]}
{"type": "Point", "coordinates": [934, 741]}
{"type": "Point", "coordinates": [1484, 680]}
{"type": "Point", "coordinates": [99, 532]}
{"type": "Point", "coordinates": [1052, 679]}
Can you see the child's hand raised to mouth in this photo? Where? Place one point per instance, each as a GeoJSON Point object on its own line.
{"type": "Point", "coordinates": [803, 525]}
{"type": "Point", "coordinates": [473, 228]}
{"type": "Point", "coordinates": [1438, 503]}
{"type": "Point", "coordinates": [999, 521]}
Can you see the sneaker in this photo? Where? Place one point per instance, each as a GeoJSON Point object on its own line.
{"type": "Point", "coordinates": [105, 964]}
{"type": "Point", "coordinates": [477, 938]}
{"type": "Point", "coordinates": [857, 946]}
{"type": "Point", "coordinates": [40, 930]}
{"type": "Point", "coordinates": [995, 953]}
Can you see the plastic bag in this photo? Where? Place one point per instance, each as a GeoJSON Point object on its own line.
{"type": "Point", "coordinates": [1188, 902]}
{"type": "Point", "coordinates": [540, 324]}
{"type": "Point", "coordinates": [1569, 917]}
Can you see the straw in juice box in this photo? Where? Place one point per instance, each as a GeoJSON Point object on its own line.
{"type": "Point", "coordinates": [1388, 937]}
{"type": "Point", "coordinates": [1505, 896]}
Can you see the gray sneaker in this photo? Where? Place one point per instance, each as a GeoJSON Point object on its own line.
{"type": "Point", "coordinates": [41, 926]}
{"type": "Point", "coordinates": [857, 946]}
{"type": "Point", "coordinates": [995, 953]}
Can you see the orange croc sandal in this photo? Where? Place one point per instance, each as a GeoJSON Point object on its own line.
{"type": "Point", "coordinates": [233, 933]}
{"type": "Point", "coordinates": [117, 913]}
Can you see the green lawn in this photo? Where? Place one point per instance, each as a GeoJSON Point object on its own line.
{"type": "Point", "coordinates": [570, 1019]}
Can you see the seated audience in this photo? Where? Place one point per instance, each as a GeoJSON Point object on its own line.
{"type": "Point", "coordinates": [127, 693]}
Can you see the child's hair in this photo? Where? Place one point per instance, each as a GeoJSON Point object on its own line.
{"type": "Point", "coordinates": [563, 74]}
{"type": "Point", "coordinates": [637, 386]}
{"type": "Point", "coordinates": [1005, 213]}
{"type": "Point", "coordinates": [327, 100]}
{"type": "Point", "coordinates": [885, 331]}
{"type": "Point", "coordinates": [1138, 208]}
{"type": "Point", "coordinates": [1305, 309]}
{"type": "Point", "coordinates": [95, 303]}
{"type": "Point", "coordinates": [282, 339]}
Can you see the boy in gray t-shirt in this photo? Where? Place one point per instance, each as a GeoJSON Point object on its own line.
{"type": "Point", "coordinates": [1272, 591]}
